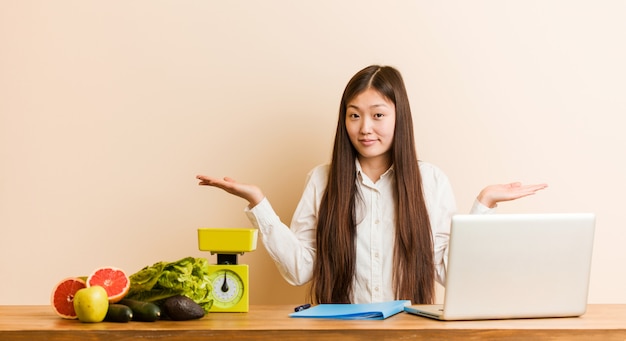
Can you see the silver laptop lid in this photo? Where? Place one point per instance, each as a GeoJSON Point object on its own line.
{"type": "Point", "coordinates": [518, 265]}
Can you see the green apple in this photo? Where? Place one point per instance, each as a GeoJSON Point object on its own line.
{"type": "Point", "coordinates": [91, 304]}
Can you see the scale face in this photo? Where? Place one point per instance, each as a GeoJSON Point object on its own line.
{"type": "Point", "coordinates": [229, 287]}
{"type": "Point", "coordinates": [229, 280]}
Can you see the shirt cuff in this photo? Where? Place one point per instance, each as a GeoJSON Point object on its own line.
{"type": "Point", "coordinates": [479, 208]}
{"type": "Point", "coordinates": [262, 215]}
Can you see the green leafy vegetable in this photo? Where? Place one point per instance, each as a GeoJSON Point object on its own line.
{"type": "Point", "coordinates": [188, 276]}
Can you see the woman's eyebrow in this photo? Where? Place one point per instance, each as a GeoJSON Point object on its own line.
{"type": "Point", "coordinates": [371, 106]}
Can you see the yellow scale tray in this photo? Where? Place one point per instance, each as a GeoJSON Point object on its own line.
{"type": "Point", "coordinates": [227, 239]}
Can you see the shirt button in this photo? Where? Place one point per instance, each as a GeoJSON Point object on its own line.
{"type": "Point", "coordinates": [376, 254]}
{"type": "Point", "coordinates": [376, 289]}
{"type": "Point", "coordinates": [377, 221]}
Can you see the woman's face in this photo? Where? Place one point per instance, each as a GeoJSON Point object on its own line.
{"type": "Point", "coordinates": [371, 122]}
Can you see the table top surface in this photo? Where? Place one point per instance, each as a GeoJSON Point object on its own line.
{"type": "Point", "coordinates": [264, 319]}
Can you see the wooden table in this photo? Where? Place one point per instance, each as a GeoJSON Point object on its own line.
{"type": "Point", "coordinates": [31, 323]}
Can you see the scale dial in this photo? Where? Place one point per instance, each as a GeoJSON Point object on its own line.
{"type": "Point", "coordinates": [227, 288]}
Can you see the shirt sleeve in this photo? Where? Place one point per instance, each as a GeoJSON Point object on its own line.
{"type": "Point", "coordinates": [441, 205]}
{"type": "Point", "coordinates": [479, 208]}
{"type": "Point", "coordinates": [292, 248]}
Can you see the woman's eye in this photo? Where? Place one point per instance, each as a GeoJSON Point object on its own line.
{"type": "Point", "coordinates": [378, 115]}
{"type": "Point", "coordinates": [353, 116]}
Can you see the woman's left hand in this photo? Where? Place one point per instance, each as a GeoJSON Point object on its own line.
{"type": "Point", "coordinates": [493, 194]}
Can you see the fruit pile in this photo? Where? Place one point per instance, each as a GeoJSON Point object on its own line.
{"type": "Point", "coordinates": [101, 296]}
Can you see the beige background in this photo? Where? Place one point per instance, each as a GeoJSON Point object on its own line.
{"type": "Point", "coordinates": [108, 110]}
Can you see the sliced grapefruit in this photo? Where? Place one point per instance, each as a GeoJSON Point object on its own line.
{"type": "Point", "coordinates": [62, 298]}
{"type": "Point", "coordinates": [113, 280]}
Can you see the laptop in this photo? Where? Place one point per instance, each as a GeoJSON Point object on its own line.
{"type": "Point", "coordinates": [507, 266]}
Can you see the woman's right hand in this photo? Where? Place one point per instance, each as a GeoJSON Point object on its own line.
{"type": "Point", "coordinates": [251, 193]}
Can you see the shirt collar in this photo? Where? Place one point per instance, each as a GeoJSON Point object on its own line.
{"type": "Point", "coordinates": [361, 175]}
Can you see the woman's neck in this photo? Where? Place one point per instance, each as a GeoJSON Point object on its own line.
{"type": "Point", "coordinates": [375, 167]}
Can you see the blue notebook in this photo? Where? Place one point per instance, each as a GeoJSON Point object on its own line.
{"type": "Point", "coordinates": [364, 311]}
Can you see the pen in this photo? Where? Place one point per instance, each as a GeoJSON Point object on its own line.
{"type": "Point", "coordinates": [301, 307]}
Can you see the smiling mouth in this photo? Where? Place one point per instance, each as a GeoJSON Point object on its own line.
{"type": "Point", "coordinates": [367, 142]}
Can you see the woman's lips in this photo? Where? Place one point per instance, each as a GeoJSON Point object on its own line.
{"type": "Point", "coordinates": [367, 142]}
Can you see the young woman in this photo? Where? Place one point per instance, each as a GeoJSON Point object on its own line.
{"type": "Point", "coordinates": [373, 225]}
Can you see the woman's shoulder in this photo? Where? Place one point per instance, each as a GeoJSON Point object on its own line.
{"type": "Point", "coordinates": [319, 174]}
{"type": "Point", "coordinates": [428, 167]}
{"type": "Point", "coordinates": [431, 172]}
{"type": "Point", "coordinates": [320, 169]}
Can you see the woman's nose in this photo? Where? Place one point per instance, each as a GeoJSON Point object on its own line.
{"type": "Point", "coordinates": [366, 126]}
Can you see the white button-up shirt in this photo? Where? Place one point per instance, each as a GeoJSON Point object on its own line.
{"type": "Point", "coordinates": [293, 248]}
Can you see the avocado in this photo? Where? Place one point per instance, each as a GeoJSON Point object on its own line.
{"type": "Point", "coordinates": [182, 308]}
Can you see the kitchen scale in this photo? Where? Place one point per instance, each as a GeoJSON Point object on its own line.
{"type": "Point", "coordinates": [230, 285]}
